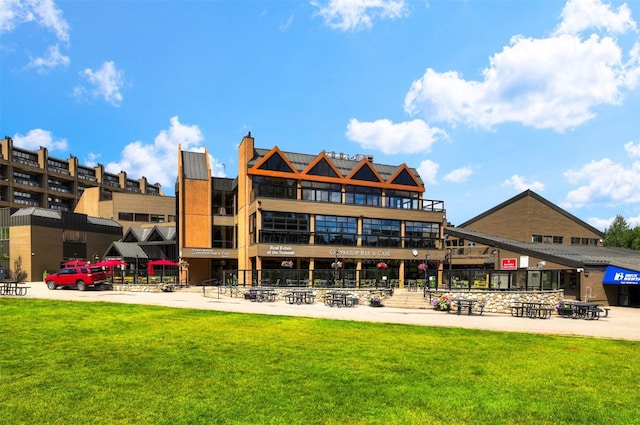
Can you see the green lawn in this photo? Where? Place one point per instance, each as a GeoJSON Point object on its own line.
{"type": "Point", "coordinates": [99, 363]}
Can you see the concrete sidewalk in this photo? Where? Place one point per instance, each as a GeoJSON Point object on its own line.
{"type": "Point", "coordinates": [622, 323]}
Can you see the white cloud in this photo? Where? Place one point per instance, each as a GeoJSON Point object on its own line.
{"type": "Point", "coordinates": [107, 83]}
{"type": "Point", "coordinates": [605, 183]}
{"type": "Point", "coordinates": [579, 15]}
{"type": "Point", "coordinates": [52, 59]}
{"type": "Point", "coordinates": [43, 12]}
{"type": "Point", "coordinates": [157, 161]}
{"type": "Point", "coordinates": [632, 67]}
{"type": "Point", "coordinates": [406, 137]}
{"type": "Point", "coordinates": [520, 184]}
{"type": "Point", "coordinates": [355, 15]}
{"type": "Point", "coordinates": [37, 138]}
{"type": "Point", "coordinates": [633, 149]}
{"type": "Point", "coordinates": [460, 175]}
{"type": "Point", "coordinates": [428, 171]}
{"type": "Point", "coordinates": [553, 83]}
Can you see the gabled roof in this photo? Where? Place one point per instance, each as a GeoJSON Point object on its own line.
{"type": "Point", "coordinates": [569, 255]}
{"type": "Point", "coordinates": [146, 234]}
{"type": "Point", "coordinates": [126, 250]}
{"type": "Point", "coordinates": [532, 194]}
{"type": "Point", "coordinates": [344, 164]}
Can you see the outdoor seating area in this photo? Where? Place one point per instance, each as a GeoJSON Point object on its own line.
{"type": "Point", "coordinates": [339, 299]}
{"type": "Point", "coordinates": [581, 310]}
{"type": "Point", "coordinates": [532, 310]}
{"type": "Point", "coordinates": [300, 296]}
{"type": "Point", "coordinates": [467, 305]}
{"type": "Point", "coordinates": [13, 288]}
{"type": "Point", "coordinates": [262, 295]}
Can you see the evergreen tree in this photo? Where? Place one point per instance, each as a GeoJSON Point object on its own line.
{"type": "Point", "coordinates": [618, 234]}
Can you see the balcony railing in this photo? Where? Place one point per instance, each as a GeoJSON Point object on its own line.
{"type": "Point", "coordinates": [346, 239]}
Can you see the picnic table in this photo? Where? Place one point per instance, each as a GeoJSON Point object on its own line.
{"type": "Point", "coordinates": [262, 294]}
{"type": "Point", "coordinates": [300, 296]}
{"type": "Point", "coordinates": [338, 299]}
{"type": "Point", "coordinates": [532, 310]}
{"type": "Point", "coordinates": [11, 287]}
{"type": "Point", "coordinates": [582, 310]}
{"type": "Point", "coordinates": [465, 304]}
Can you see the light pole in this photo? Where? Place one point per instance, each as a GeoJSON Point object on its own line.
{"type": "Point", "coordinates": [426, 270]}
{"type": "Point", "coordinates": [447, 257]}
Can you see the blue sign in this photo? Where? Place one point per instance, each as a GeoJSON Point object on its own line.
{"type": "Point", "coordinates": [618, 276]}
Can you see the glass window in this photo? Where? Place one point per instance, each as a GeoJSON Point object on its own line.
{"type": "Point", "coordinates": [381, 233]}
{"type": "Point", "coordinates": [402, 199]}
{"type": "Point", "coordinates": [273, 187]}
{"type": "Point", "coordinates": [361, 195]}
{"type": "Point", "coordinates": [336, 230]}
{"type": "Point", "coordinates": [420, 234]}
{"type": "Point", "coordinates": [322, 192]}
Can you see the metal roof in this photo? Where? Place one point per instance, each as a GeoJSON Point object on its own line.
{"type": "Point", "coordinates": [194, 166]}
{"type": "Point", "coordinates": [39, 212]}
{"type": "Point", "coordinates": [103, 221]}
{"type": "Point", "coordinates": [570, 255]}
{"type": "Point", "coordinates": [129, 250]}
{"type": "Point", "coordinates": [343, 163]}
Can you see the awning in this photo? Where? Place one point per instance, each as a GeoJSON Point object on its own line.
{"type": "Point", "coordinates": [617, 276]}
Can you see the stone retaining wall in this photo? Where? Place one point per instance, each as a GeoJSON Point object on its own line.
{"type": "Point", "coordinates": [137, 288]}
{"type": "Point", "coordinates": [501, 302]}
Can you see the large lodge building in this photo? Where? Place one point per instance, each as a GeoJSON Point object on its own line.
{"type": "Point", "coordinates": [294, 219]}
{"type": "Point", "coordinates": [332, 219]}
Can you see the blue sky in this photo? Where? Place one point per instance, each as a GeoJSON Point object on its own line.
{"type": "Point", "coordinates": [485, 98]}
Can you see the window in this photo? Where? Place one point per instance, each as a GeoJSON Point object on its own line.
{"type": "Point", "coordinates": [420, 234]}
{"type": "Point", "coordinates": [361, 195]}
{"type": "Point", "coordinates": [381, 233]}
{"type": "Point", "coordinates": [402, 199]}
{"type": "Point", "coordinates": [273, 187]}
{"type": "Point", "coordinates": [156, 218]}
{"type": "Point", "coordinates": [336, 230]}
{"type": "Point", "coordinates": [322, 192]}
{"type": "Point", "coordinates": [73, 236]}
{"type": "Point", "coordinates": [141, 217]}
{"type": "Point", "coordinates": [284, 227]}
{"type": "Point", "coordinates": [546, 239]}
{"type": "Point", "coordinates": [125, 216]}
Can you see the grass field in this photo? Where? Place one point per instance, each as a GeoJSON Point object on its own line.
{"type": "Point", "coordinates": [98, 363]}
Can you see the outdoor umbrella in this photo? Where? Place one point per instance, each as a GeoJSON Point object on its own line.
{"type": "Point", "coordinates": [110, 264]}
{"type": "Point", "coordinates": [163, 262]}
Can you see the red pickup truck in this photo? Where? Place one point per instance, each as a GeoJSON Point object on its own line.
{"type": "Point", "coordinates": [81, 278]}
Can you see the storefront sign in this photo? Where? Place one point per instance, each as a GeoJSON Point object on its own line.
{"type": "Point", "coordinates": [618, 276]}
{"type": "Point", "coordinates": [205, 253]}
{"type": "Point", "coordinates": [281, 250]}
{"type": "Point", "coordinates": [509, 264]}
{"type": "Point", "coordinates": [359, 253]}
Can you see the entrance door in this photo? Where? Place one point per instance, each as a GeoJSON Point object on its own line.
{"type": "Point", "coordinates": [623, 295]}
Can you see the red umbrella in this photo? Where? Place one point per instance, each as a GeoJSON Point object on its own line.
{"type": "Point", "coordinates": [110, 263]}
{"type": "Point", "coordinates": [164, 262]}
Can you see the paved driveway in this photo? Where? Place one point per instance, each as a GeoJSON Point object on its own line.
{"type": "Point", "coordinates": [622, 323]}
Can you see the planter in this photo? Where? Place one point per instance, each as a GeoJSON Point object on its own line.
{"type": "Point", "coordinates": [376, 304]}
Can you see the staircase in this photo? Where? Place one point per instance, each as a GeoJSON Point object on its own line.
{"type": "Point", "coordinates": [404, 299]}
